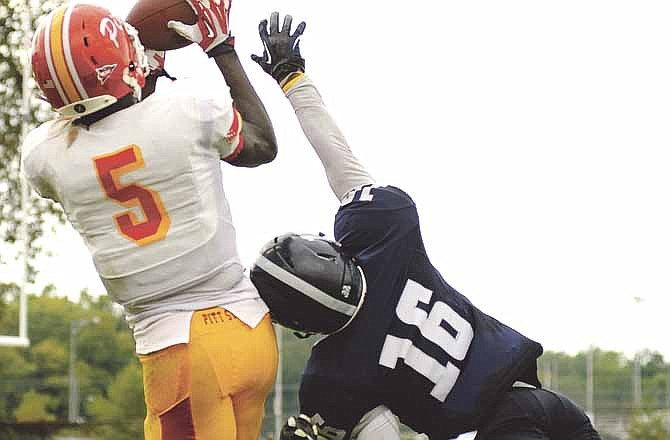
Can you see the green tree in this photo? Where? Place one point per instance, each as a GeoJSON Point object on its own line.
{"type": "Point", "coordinates": [120, 416]}
{"type": "Point", "coordinates": [15, 372]}
{"type": "Point", "coordinates": [34, 407]}
{"type": "Point", "coordinates": [612, 379]}
{"type": "Point", "coordinates": [12, 52]}
{"type": "Point", "coordinates": [104, 349]}
{"type": "Point", "coordinates": [646, 427]}
{"type": "Point", "coordinates": [612, 382]}
{"type": "Point", "coordinates": [655, 381]}
{"type": "Point", "coordinates": [50, 356]}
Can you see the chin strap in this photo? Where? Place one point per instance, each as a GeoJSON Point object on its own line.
{"type": "Point", "coordinates": [86, 107]}
{"type": "Point", "coordinates": [91, 118]}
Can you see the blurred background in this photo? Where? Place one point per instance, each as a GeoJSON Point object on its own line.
{"type": "Point", "coordinates": [533, 136]}
{"type": "Point", "coordinates": [80, 379]}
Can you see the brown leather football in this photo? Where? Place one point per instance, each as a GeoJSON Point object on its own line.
{"type": "Point", "coordinates": [150, 18]}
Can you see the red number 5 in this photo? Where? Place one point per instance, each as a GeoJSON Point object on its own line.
{"type": "Point", "coordinates": [110, 167]}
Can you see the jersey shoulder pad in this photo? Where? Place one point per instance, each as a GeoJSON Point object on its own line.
{"type": "Point", "coordinates": [376, 197]}
{"type": "Point", "coordinates": [375, 216]}
{"type": "Point", "coordinates": [38, 145]}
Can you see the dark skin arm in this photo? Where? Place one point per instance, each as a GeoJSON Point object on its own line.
{"type": "Point", "coordinates": [260, 143]}
{"type": "Point", "coordinates": [212, 33]}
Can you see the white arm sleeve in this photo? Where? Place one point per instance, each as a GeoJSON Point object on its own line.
{"type": "Point", "coordinates": [378, 424]}
{"type": "Point", "coordinates": [343, 170]}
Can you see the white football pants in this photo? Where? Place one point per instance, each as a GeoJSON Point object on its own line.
{"type": "Point", "coordinates": [381, 424]}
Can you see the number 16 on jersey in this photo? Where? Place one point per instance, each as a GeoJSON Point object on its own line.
{"type": "Point", "coordinates": [430, 326]}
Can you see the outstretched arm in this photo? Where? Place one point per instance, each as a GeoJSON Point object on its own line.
{"type": "Point", "coordinates": [343, 169]}
{"type": "Point", "coordinates": [211, 32]}
{"type": "Point", "coordinates": [282, 60]}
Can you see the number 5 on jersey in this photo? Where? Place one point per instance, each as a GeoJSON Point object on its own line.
{"type": "Point", "coordinates": [110, 167]}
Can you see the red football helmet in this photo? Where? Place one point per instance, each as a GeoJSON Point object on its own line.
{"type": "Point", "coordinates": [85, 59]}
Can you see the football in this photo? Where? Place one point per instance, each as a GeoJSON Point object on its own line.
{"type": "Point", "coordinates": [150, 18]}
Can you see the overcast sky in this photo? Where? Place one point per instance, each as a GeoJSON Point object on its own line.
{"type": "Point", "coordinates": [533, 135]}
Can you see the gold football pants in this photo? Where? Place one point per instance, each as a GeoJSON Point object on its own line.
{"type": "Point", "coordinates": [215, 386]}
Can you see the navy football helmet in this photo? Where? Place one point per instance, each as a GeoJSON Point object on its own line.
{"type": "Point", "coordinates": [309, 286]}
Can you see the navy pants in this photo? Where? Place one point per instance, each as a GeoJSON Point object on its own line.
{"type": "Point", "coordinates": [536, 414]}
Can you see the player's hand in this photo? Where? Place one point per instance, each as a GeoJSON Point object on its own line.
{"type": "Point", "coordinates": [304, 428]}
{"type": "Point", "coordinates": [281, 49]}
{"type": "Point", "coordinates": [299, 428]}
{"type": "Point", "coordinates": [211, 30]}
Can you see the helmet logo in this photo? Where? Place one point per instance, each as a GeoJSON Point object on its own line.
{"type": "Point", "coordinates": [109, 28]}
{"type": "Point", "coordinates": [105, 72]}
{"type": "Point", "coordinates": [346, 291]}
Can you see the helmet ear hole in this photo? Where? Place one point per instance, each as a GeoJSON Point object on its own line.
{"type": "Point", "coordinates": [309, 286]}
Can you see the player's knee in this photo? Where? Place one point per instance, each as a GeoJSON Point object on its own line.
{"type": "Point", "coordinates": [566, 417]}
{"type": "Point", "coordinates": [378, 424]}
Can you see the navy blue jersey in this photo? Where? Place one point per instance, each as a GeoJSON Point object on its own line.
{"type": "Point", "coordinates": [417, 346]}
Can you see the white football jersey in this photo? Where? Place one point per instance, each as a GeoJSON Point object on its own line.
{"type": "Point", "coordinates": [144, 189]}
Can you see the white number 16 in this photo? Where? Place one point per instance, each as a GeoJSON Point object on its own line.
{"type": "Point", "coordinates": [430, 325]}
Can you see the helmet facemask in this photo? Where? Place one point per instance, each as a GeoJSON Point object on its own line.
{"type": "Point", "coordinates": [141, 65]}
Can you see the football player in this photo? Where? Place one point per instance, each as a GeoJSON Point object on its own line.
{"type": "Point", "coordinates": [400, 340]}
{"type": "Point", "coordinates": [140, 180]}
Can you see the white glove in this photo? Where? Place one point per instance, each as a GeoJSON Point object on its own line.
{"type": "Point", "coordinates": [211, 30]}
